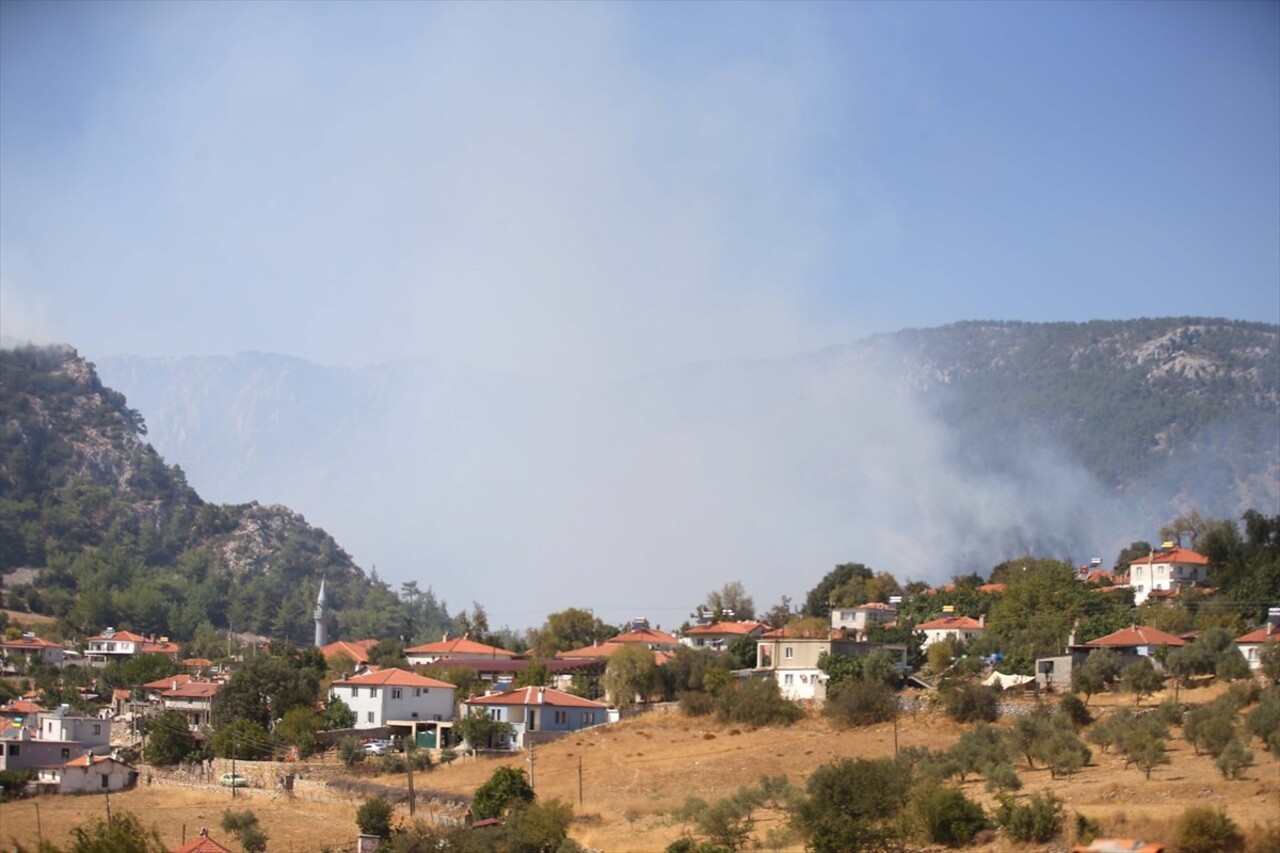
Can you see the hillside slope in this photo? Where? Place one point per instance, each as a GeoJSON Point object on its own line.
{"type": "Point", "coordinates": [120, 538]}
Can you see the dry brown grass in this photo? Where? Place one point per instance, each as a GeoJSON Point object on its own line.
{"type": "Point", "coordinates": [635, 773]}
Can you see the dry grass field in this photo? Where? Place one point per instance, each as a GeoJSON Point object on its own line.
{"type": "Point", "coordinates": [634, 773]}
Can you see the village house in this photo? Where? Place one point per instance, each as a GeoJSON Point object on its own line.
{"type": "Point", "coordinates": [193, 699]}
{"type": "Point", "coordinates": [27, 650]}
{"type": "Point", "coordinates": [790, 656]}
{"type": "Point", "coordinates": [1251, 644]}
{"type": "Point", "coordinates": [460, 648]}
{"type": "Point", "coordinates": [62, 725]}
{"type": "Point", "coordinates": [952, 628]}
{"type": "Point", "coordinates": [389, 696]}
{"type": "Point", "coordinates": [88, 774]}
{"type": "Point", "coordinates": [120, 645]}
{"type": "Point", "coordinates": [20, 749]}
{"type": "Point", "coordinates": [1136, 641]}
{"type": "Point", "coordinates": [858, 620]}
{"type": "Point", "coordinates": [1170, 569]}
{"type": "Point", "coordinates": [535, 711]}
{"type": "Point", "coordinates": [356, 651]}
{"type": "Point", "coordinates": [719, 635]}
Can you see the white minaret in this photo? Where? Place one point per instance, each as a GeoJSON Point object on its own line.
{"type": "Point", "coordinates": [321, 639]}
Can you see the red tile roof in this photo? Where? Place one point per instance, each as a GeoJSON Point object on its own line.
{"type": "Point", "coordinates": [193, 690]}
{"type": "Point", "coordinates": [460, 646]}
{"type": "Point", "coordinates": [30, 643]}
{"type": "Point", "coordinates": [88, 760]}
{"type": "Point", "coordinates": [1261, 635]}
{"type": "Point", "coordinates": [741, 629]}
{"type": "Point", "coordinates": [202, 844]}
{"type": "Point", "coordinates": [1172, 555]}
{"type": "Point", "coordinates": [1137, 635]}
{"type": "Point", "coordinates": [537, 696]}
{"type": "Point", "coordinates": [951, 623]}
{"type": "Point", "coordinates": [168, 683]}
{"type": "Point", "coordinates": [22, 706]}
{"type": "Point", "coordinates": [647, 636]}
{"type": "Point", "coordinates": [356, 650]}
{"type": "Point", "coordinates": [393, 678]}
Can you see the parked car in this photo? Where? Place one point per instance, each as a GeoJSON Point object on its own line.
{"type": "Point", "coordinates": [233, 780]}
{"type": "Point", "coordinates": [379, 747]}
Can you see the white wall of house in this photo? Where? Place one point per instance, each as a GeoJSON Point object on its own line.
{"type": "Point", "coordinates": [375, 706]}
{"type": "Point", "coordinates": [103, 776]}
{"type": "Point", "coordinates": [88, 731]}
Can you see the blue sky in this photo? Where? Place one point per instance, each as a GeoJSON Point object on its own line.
{"type": "Point", "coordinates": [601, 189]}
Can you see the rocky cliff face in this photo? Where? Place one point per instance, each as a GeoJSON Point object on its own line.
{"type": "Point", "coordinates": [75, 468]}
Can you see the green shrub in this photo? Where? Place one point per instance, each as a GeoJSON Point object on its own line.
{"type": "Point", "coordinates": [1075, 711]}
{"type": "Point", "coordinates": [695, 703]}
{"type": "Point", "coordinates": [1234, 759]}
{"type": "Point", "coordinates": [1038, 819]}
{"type": "Point", "coordinates": [972, 703]}
{"type": "Point", "coordinates": [861, 703]}
{"type": "Point", "coordinates": [374, 817]}
{"type": "Point", "coordinates": [757, 702]}
{"type": "Point", "coordinates": [12, 783]}
{"type": "Point", "coordinates": [350, 750]}
{"type": "Point", "coordinates": [1203, 829]}
{"type": "Point", "coordinates": [392, 762]}
{"type": "Point", "coordinates": [1001, 777]}
{"type": "Point", "coordinates": [506, 788]}
{"type": "Point", "coordinates": [946, 816]}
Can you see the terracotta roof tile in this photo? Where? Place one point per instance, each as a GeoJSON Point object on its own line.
{"type": "Point", "coordinates": [1172, 555]}
{"type": "Point", "coordinates": [394, 678]}
{"type": "Point", "coordinates": [460, 646]}
{"type": "Point", "coordinates": [739, 628]}
{"type": "Point", "coordinates": [1138, 635]}
{"type": "Point", "coordinates": [356, 650]}
{"type": "Point", "coordinates": [537, 696]}
{"type": "Point", "coordinates": [646, 635]}
{"type": "Point", "coordinates": [1261, 635]}
{"type": "Point", "coordinates": [951, 623]}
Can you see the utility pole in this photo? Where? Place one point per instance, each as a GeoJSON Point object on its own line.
{"type": "Point", "coordinates": [579, 780]}
{"type": "Point", "coordinates": [233, 767]}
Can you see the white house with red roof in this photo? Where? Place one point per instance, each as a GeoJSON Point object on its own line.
{"type": "Point", "coordinates": [119, 645]}
{"type": "Point", "coordinates": [962, 628]}
{"type": "Point", "coordinates": [1251, 644]}
{"type": "Point", "coordinates": [1167, 570]}
{"type": "Point", "coordinates": [858, 619]}
{"type": "Point", "coordinates": [194, 700]}
{"type": "Point", "coordinates": [719, 635]}
{"type": "Point", "coordinates": [29, 649]}
{"type": "Point", "coordinates": [1140, 640]}
{"type": "Point", "coordinates": [88, 774]}
{"type": "Point", "coordinates": [390, 696]}
{"type": "Point", "coordinates": [202, 844]}
{"type": "Point", "coordinates": [460, 648]}
{"type": "Point", "coordinates": [534, 710]}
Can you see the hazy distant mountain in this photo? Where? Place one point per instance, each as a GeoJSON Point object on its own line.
{"type": "Point", "coordinates": [1068, 436]}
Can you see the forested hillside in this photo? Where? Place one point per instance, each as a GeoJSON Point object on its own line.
{"type": "Point", "coordinates": [96, 528]}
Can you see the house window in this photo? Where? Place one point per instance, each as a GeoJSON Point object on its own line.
{"type": "Point", "coordinates": [355, 692]}
{"type": "Point", "coordinates": [104, 780]}
{"type": "Point", "coordinates": [417, 691]}
{"type": "Point", "coordinates": [97, 728]}
{"type": "Point", "coordinates": [373, 692]}
{"type": "Point", "coordinates": [369, 717]}
{"type": "Point", "coordinates": [588, 718]}
{"type": "Point", "coordinates": [66, 754]}
{"type": "Point", "coordinates": [788, 678]}
{"type": "Point", "coordinates": [395, 693]}
{"type": "Point", "coordinates": [788, 653]}
{"type": "Point", "coordinates": [562, 717]}
{"type": "Point", "coordinates": [495, 713]}
{"type": "Point", "coordinates": [14, 750]}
